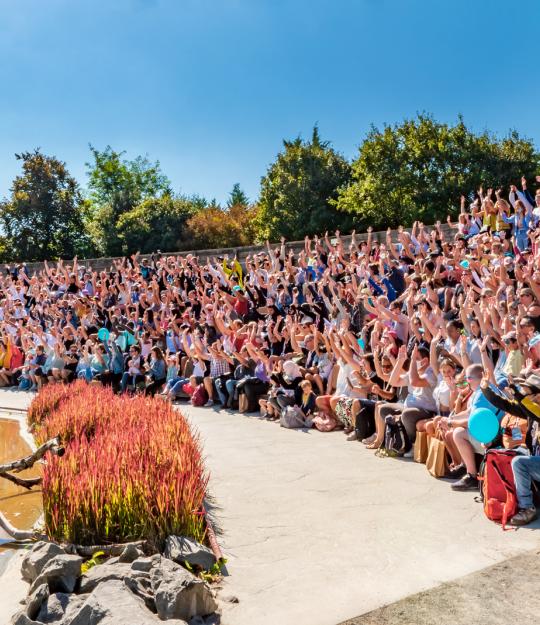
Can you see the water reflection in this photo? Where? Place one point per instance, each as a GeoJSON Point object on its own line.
{"type": "Point", "coordinates": [21, 507]}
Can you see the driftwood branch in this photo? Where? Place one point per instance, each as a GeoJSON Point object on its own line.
{"type": "Point", "coordinates": [14, 532]}
{"type": "Point", "coordinates": [87, 551]}
{"type": "Point", "coordinates": [52, 445]}
{"type": "Point", "coordinates": [24, 482]}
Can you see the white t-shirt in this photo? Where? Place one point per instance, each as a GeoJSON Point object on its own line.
{"type": "Point", "coordinates": [342, 386]}
{"type": "Point", "coordinates": [422, 396]}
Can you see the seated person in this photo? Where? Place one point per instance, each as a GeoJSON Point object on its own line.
{"type": "Point", "coordinates": [526, 404]}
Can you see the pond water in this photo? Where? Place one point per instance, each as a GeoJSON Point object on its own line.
{"type": "Point", "coordinates": [21, 507]}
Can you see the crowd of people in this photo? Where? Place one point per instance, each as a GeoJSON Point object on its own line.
{"type": "Point", "coordinates": [421, 328]}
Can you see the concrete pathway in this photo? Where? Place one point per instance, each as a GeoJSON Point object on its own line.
{"type": "Point", "coordinates": [318, 530]}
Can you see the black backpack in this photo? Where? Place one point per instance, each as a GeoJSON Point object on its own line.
{"type": "Point", "coordinates": [396, 439]}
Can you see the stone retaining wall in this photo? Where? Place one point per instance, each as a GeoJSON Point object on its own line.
{"type": "Point", "coordinates": [99, 264]}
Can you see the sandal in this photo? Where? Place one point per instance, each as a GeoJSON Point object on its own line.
{"type": "Point", "coordinates": [374, 445]}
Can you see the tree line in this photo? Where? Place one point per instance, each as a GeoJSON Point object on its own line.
{"type": "Point", "coordinates": [414, 170]}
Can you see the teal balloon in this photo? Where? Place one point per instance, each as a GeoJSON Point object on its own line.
{"type": "Point", "coordinates": [103, 335]}
{"type": "Point", "coordinates": [483, 425]}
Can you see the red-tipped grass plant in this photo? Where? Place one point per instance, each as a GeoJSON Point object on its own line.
{"type": "Point", "coordinates": [132, 470]}
{"type": "Point", "coordinates": [49, 398]}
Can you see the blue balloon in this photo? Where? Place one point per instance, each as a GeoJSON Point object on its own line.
{"type": "Point", "coordinates": [483, 425]}
{"type": "Point", "coordinates": [103, 335]}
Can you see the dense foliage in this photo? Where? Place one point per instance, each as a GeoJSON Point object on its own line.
{"type": "Point", "coordinates": [45, 215]}
{"type": "Point", "coordinates": [116, 187]}
{"type": "Point", "coordinates": [297, 191]}
{"type": "Point", "coordinates": [132, 467]}
{"type": "Point", "coordinates": [415, 170]}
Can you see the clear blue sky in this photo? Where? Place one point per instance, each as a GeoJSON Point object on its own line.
{"type": "Point", "coordinates": [211, 87]}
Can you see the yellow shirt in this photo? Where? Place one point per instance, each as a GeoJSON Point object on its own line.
{"type": "Point", "coordinates": [514, 363]}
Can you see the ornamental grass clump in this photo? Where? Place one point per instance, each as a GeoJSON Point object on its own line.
{"type": "Point", "coordinates": [132, 470]}
{"type": "Point", "coordinates": [51, 397]}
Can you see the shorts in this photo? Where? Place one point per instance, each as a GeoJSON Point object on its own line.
{"type": "Point", "coordinates": [477, 445]}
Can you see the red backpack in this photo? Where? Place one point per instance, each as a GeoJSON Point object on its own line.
{"type": "Point", "coordinates": [200, 396]}
{"type": "Point", "coordinates": [498, 487]}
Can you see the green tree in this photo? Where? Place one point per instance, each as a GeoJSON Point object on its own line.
{"type": "Point", "coordinates": [417, 170]}
{"type": "Point", "coordinates": [298, 188]}
{"type": "Point", "coordinates": [117, 186]}
{"type": "Point", "coordinates": [157, 223]}
{"type": "Point", "coordinates": [45, 216]}
{"type": "Point", "coordinates": [237, 197]}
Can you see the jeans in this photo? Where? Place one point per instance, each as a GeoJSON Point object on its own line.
{"type": "Point", "coordinates": [221, 389]}
{"type": "Point", "coordinates": [128, 379]}
{"type": "Point", "coordinates": [526, 469]}
{"type": "Point", "coordinates": [522, 239]}
{"type": "Point", "coordinates": [174, 385]}
{"type": "Point", "coordinates": [230, 385]}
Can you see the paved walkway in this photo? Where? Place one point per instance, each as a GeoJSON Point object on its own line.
{"type": "Point", "coordinates": [318, 530]}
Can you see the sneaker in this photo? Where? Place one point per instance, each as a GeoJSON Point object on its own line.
{"type": "Point", "coordinates": [467, 482]}
{"type": "Point", "coordinates": [352, 436]}
{"type": "Point", "coordinates": [457, 472]}
{"type": "Point", "coordinates": [523, 517]}
{"type": "Point", "coordinates": [409, 454]}
{"type": "Point", "coordinates": [209, 403]}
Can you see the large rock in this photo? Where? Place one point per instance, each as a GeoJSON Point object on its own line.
{"type": "Point", "coordinates": [143, 564]}
{"type": "Point", "coordinates": [60, 606]}
{"type": "Point", "coordinates": [131, 552]}
{"type": "Point", "coordinates": [181, 549]}
{"type": "Point", "coordinates": [103, 573]}
{"type": "Point", "coordinates": [143, 591]}
{"type": "Point", "coordinates": [213, 619]}
{"type": "Point", "coordinates": [35, 600]}
{"type": "Point", "coordinates": [34, 561]}
{"type": "Point", "coordinates": [178, 593]}
{"type": "Point", "coordinates": [112, 603]}
{"type": "Point", "coordinates": [60, 573]}
{"type": "Point", "coordinates": [22, 619]}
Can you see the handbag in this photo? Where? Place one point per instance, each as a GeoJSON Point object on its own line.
{"type": "Point", "coordinates": [324, 422]}
{"type": "Point", "coordinates": [242, 403]}
{"type": "Point", "coordinates": [437, 460]}
{"type": "Point", "coordinates": [292, 417]}
{"type": "Point", "coordinates": [421, 447]}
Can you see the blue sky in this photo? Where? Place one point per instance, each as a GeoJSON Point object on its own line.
{"type": "Point", "coordinates": [211, 87]}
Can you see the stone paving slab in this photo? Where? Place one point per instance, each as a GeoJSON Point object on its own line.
{"type": "Point", "coordinates": [318, 530]}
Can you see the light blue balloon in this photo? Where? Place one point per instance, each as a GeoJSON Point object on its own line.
{"type": "Point", "coordinates": [483, 425]}
{"type": "Point", "coordinates": [103, 335]}
{"type": "Point", "coordinates": [465, 264]}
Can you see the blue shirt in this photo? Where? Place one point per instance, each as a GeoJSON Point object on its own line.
{"type": "Point", "coordinates": [479, 400]}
